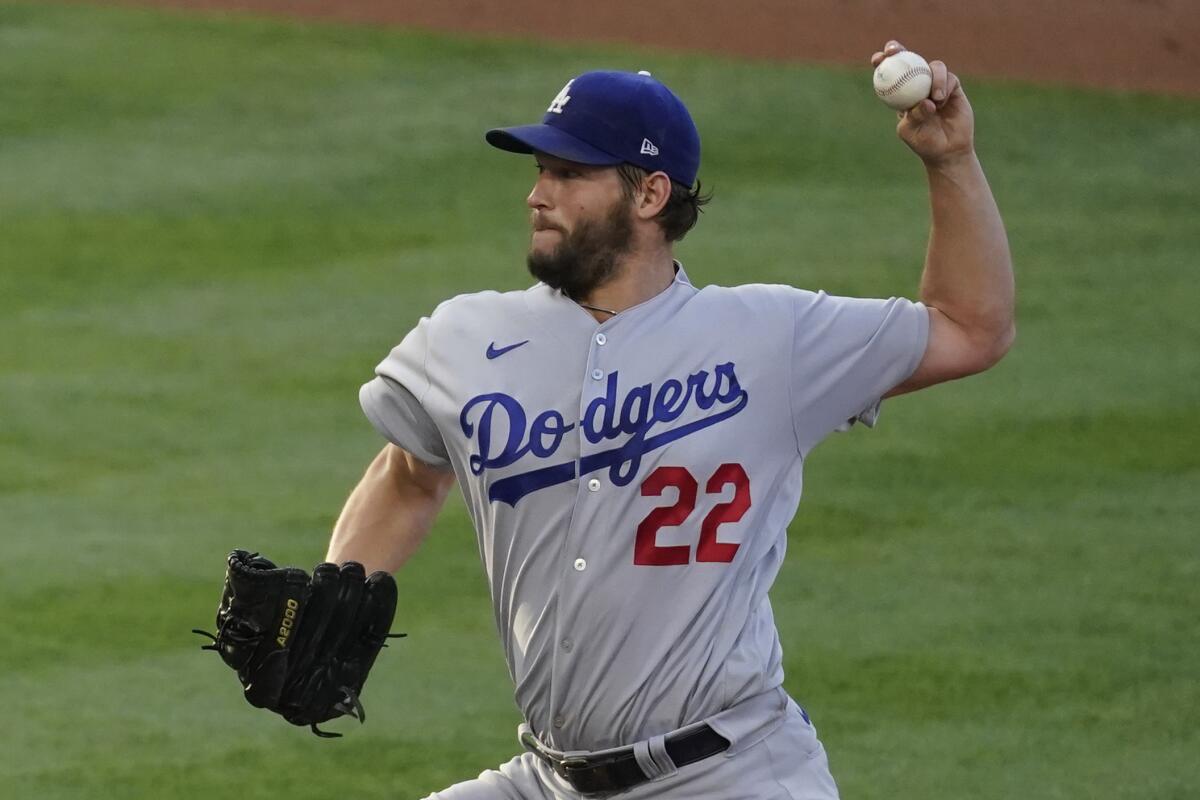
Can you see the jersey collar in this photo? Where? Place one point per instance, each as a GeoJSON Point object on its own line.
{"type": "Point", "coordinates": [541, 298]}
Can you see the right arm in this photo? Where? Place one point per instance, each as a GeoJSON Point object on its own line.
{"type": "Point", "coordinates": [390, 512]}
{"type": "Point", "coordinates": [967, 285]}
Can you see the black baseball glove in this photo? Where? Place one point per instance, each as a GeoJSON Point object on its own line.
{"type": "Point", "coordinates": [303, 647]}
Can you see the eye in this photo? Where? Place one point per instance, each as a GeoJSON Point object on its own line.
{"type": "Point", "coordinates": [562, 173]}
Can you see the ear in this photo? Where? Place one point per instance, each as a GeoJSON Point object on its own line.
{"type": "Point", "coordinates": [653, 195]}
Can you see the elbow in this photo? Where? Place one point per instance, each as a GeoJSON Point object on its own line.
{"type": "Point", "coordinates": [995, 346]}
{"type": "Point", "coordinates": [1009, 339]}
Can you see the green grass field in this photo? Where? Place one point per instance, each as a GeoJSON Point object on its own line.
{"type": "Point", "coordinates": [212, 228]}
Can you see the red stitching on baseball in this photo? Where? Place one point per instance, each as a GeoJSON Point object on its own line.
{"type": "Point", "coordinates": [903, 79]}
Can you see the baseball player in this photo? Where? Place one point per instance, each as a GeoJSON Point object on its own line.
{"type": "Point", "coordinates": [631, 446]}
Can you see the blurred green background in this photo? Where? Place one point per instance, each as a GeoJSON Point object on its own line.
{"type": "Point", "coordinates": [212, 228]}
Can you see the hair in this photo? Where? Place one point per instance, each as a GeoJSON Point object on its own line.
{"type": "Point", "coordinates": [683, 207]}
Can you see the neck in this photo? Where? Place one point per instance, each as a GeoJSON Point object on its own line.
{"type": "Point", "coordinates": [639, 278]}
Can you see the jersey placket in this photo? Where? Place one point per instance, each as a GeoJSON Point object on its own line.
{"type": "Point", "coordinates": [580, 557]}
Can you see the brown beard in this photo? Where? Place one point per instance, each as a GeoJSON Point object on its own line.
{"type": "Point", "coordinates": [588, 257]}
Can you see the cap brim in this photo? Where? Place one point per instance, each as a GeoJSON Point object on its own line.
{"type": "Point", "coordinates": [547, 139]}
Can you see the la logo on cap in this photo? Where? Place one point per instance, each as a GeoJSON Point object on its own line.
{"type": "Point", "coordinates": [561, 99]}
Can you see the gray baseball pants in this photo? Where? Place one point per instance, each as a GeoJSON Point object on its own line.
{"type": "Point", "coordinates": [789, 764]}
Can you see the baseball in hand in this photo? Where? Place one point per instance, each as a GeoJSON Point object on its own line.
{"type": "Point", "coordinates": [903, 80]}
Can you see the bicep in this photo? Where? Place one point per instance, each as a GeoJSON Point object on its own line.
{"type": "Point", "coordinates": [390, 511]}
{"type": "Point", "coordinates": [412, 475]}
{"type": "Point", "coordinates": [951, 352]}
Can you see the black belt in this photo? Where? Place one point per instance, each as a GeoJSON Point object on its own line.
{"type": "Point", "coordinates": [619, 770]}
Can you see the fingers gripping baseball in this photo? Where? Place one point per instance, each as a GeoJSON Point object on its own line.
{"type": "Point", "coordinates": [941, 126]}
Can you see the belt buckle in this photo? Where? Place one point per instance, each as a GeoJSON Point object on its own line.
{"type": "Point", "coordinates": [564, 766]}
{"type": "Point", "coordinates": [591, 776]}
{"type": "Point", "coordinates": [572, 767]}
{"type": "Point", "coordinates": [575, 762]}
{"type": "Point", "coordinates": [588, 775]}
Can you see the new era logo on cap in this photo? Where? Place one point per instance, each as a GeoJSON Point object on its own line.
{"type": "Point", "coordinates": [648, 148]}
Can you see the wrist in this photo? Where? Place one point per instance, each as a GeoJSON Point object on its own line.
{"type": "Point", "coordinates": [952, 162]}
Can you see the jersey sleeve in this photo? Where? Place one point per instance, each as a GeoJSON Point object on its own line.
{"type": "Point", "coordinates": [393, 400]}
{"type": "Point", "coordinates": [849, 352]}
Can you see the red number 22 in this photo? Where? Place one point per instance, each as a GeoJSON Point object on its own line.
{"type": "Point", "coordinates": [647, 552]}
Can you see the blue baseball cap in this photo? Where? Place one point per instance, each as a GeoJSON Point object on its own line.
{"type": "Point", "coordinates": [606, 118]}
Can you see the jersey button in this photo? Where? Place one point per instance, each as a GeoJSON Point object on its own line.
{"type": "Point", "coordinates": [594, 485]}
{"type": "Point", "coordinates": [597, 374]}
{"type": "Point", "coordinates": [559, 721]}
{"type": "Point", "coordinates": [567, 644]}
{"type": "Point", "coordinates": [601, 339]}
{"type": "Point", "coordinates": [580, 565]}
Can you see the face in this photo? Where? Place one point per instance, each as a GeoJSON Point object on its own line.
{"type": "Point", "coordinates": [582, 226]}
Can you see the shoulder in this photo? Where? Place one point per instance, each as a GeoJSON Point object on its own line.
{"type": "Point", "coordinates": [804, 303]}
{"type": "Point", "coordinates": [814, 312]}
{"type": "Point", "coordinates": [755, 298]}
{"type": "Point", "coordinates": [476, 309]}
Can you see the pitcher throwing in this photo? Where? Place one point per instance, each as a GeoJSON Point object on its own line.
{"type": "Point", "coordinates": [631, 446]}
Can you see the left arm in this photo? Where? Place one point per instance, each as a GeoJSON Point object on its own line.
{"type": "Point", "coordinates": [967, 283]}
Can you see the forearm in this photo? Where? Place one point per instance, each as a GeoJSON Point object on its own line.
{"type": "Point", "coordinates": [968, 269]}
{"type": "Point", "coordinates": [389, 513]}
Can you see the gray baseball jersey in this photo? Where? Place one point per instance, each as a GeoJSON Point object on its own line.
{"type": "Point", "coordinates": [631, 481]}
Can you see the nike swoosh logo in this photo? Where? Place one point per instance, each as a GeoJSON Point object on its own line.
{"type": "Point", "coordinates": [496, 352]}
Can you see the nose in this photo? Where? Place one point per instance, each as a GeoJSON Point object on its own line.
{"type": "Point", "coordinates": [539, 195]}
